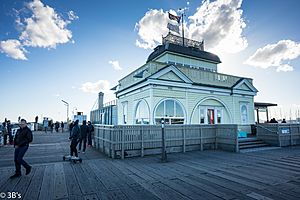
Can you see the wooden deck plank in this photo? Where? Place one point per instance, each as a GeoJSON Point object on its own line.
{"type": "Point", "coordinates": [35, 184]}
{"type": "Point", "coordinates": [60, 190]}
{"type": "Point", "coordinates": [73, 188]}
{"type": "Point", "coordinates": [271, 174]}
{"type": "Point", "coordinates": [47, 187]}
{"type": "Point", "coordinates": [83, 180]}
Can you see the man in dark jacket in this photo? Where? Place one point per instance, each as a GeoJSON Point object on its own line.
{"type": "Point", "coordinates": [22, 139]}
{"type": "Point", "coordinates": [75, 137]}
{"type": "Point", "coordinates": [84, 129]}
{"type": "Point", "coordinates": [91, 130]}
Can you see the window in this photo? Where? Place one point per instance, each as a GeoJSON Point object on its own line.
{"type": "Point", "coordinates": [219, 116]}
{"type": "Point", "coordinates": [125, 112]}
{"type": "Point", "coordinates": [171, 111]}
{"type": "Point", "coordinates": [202, 116]}
{"type": "Point", "coordinates": [244, 114]}
{"type": "Point", "coordinates": [142, 113]}
{"type": "Point", "coordinates": [210, 115]}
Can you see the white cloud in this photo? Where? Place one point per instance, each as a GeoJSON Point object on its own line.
{"type": "Point", "coordinates": [151, 27]}
{"type": "Point", "coordinates": [72, 15]}
{"type": "Point", "coordinates": [115, 64]}
{"type": "Point", "coordinates": [101, 85]}
{"type": "Point", "coordinates": [219, 23]}
{"type": "Point", "coordinates": [13, 49]}
{"type": "Point", "coordinates": [45, 28]}
{"type": "Point", "coordinates": [275, 55]}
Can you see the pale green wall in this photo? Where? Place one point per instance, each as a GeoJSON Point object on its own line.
{"type": "Point", "coordinates": [189, 99]}
{"type": "Point", "coordinates": [185, 60]}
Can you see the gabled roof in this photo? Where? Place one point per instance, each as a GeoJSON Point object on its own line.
{"type": "Point", "coordinates": [192, 76]}
{"type": "Point", "coordinates": [170, 68]}
{"type": "Point", "coordinates": [189, 51]}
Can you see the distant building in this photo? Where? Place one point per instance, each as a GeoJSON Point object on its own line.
{"type": "Point", "coordinates": [105, 113]}
{"type": "Point", "coordinates": [182, 85]}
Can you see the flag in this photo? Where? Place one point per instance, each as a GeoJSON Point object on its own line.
{"type": "Point", "coordinates": [174, 17]}
{"type": "Point", "coordinates": [173, 27]}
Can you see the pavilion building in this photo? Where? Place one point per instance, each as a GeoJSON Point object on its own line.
{"type": "Point", "coordinates": [181, 84]}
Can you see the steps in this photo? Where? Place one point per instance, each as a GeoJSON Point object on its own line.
{"type": "Point", "coordinates": [247, 143]}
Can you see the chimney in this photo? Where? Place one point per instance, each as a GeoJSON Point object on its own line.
{"type": "Point", "coordinates": [100, 100]}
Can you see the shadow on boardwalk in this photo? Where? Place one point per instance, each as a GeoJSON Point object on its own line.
{"type": "Point", "coordinates": [269, 174]}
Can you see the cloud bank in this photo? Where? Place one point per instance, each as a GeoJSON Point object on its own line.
{"type": "Point", "coordinates": [276, 55]}
{"type": "Point", "coordinates": [101, 85]}
{"type": "Point", "coordinates": [13, 49]}
{"type": "Point", "coordinates": [45, 28]}
{"type": "Point", "coordinates": [219, 23]}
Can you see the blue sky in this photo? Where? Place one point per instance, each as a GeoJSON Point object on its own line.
{"type": "Point", "coordinates": [53, 50]}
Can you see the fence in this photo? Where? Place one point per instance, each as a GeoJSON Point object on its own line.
{"type": "Point", "coordinates": [279, 134]}
{"type": "Point", "coordinates": [140, 140]}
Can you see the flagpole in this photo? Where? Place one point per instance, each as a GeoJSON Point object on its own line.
{"type": "Point", "coordinates": [182, 29]}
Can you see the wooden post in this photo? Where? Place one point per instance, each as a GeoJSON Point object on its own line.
{"type": "Point", "coordinates": [113, 143]}
{"type": "Point", "coordinates": [183, 137]}
{"type": "Point", "coordinates": [201, 140]}
{"type": "Point", "coordinates": [237, 149]}
{"type": "Point", "coordinates": [142, 144]}
{"type": "Point", "coordinates": [291, 134]}
{"type": "Point", "coordinates": [122, 144]}
{"type": "Point", "coordinates": [216, 138]}
{"type": "Point", "coordinates": [278, 133]}
{"type": "Point", "coordinates": [110, 146]}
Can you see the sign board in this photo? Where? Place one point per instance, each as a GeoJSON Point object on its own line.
{"type": "Point", "coordinates": [285, 130]}
{"type": "Point", "coordinates": [79, 117]}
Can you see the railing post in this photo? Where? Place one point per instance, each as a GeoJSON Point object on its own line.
{"type": "Point", "coordinates": [291, 135]}
{"type": "Point", "coordinates": [113, 142]}
{"type": "Point", "coordinates": [183, 137]}
{"type": "Point", "coordinates": [237, 148]}
{"type": "Point", "coordinates": [201, 140]}
{"type": "Point", "coordinates": [142, 144]}
{"type": "Point", "coordinates": [110, 146]}
{"type": "Point", "coordinates": [278, 133]}
{"type": "Point", "coordinates": [122, 144]}
{"type": "Point", "coordinates": [216, 137]}
{"type": "Point", "coordinates": [163, 150]}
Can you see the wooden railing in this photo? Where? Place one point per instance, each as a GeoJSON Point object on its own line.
{"type": "Point", "coordinates": [139, 140]}
{"type": "Point", "coordinates": [279, 134]}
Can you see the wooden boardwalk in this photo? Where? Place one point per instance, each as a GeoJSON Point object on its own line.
{"type": "Point", "coordinates": [268, 174]}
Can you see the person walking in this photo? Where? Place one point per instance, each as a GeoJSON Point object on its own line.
{"type": "Point", "coordinates": [21, 142]}
{"type": "Point", "coordinates": [62, 125]}
{"type": "Point", "coordinates": [9, 131]}
{"type": "Point", "coordinates": [4, 132]}
{"type": "Point", "coordinates": [75, 137]}
{"type": "Point", "coordinates": [91, 130]}
{"type": "Point", "coordinates": [56, 126]}
{"type": "Point", "coordinates": [84, 129]}
{"type": "Point", "coordinates": [70, 128]}
{"type": "Point", "coordinates": [45, 124]}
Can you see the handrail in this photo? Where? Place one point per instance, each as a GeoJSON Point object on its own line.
{"type": "Point", "coordinates": [267, 129]}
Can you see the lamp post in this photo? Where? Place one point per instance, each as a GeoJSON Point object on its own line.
{"type": "Point", "coordinates": [66, 104]}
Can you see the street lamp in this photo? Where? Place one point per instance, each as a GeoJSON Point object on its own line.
{"type": "Point", "coordinates": [66, 104]}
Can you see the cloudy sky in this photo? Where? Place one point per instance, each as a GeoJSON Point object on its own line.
{"type": "Point", "coordinates": [70, 50]}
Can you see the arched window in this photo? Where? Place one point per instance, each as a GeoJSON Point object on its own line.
{"type": "Point", "coordinates": [142, 113]}
{"type": "Point", "coordinates": [171, 111]}
{"type": "Point", "coordinates": [244, 114]}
